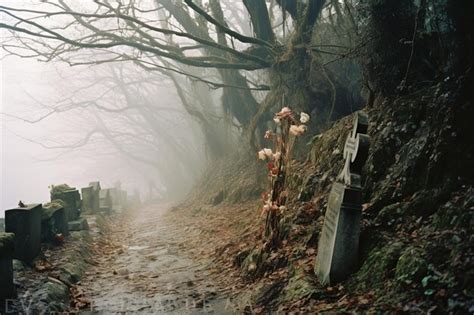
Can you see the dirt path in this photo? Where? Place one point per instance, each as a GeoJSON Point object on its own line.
{"type": "Point", "coordinates": [141, 268]}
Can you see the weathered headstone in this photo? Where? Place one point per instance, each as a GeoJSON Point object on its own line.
{"type": "Point", "coordinates": [53, 222]}
{"type": "Point", "coordinates": [105, 201]}
{"type": "Point", "coordinates": [25, 223]}
{"type": "Point", "coordinates": [115, 198]}
{"type": "Point", "coordinates": [87, 199]}
{"type": "Point", "coordinates": [95, 201]}
{"type": "Point", "coordinates": [2, 225]}
{"type": "Point", "coordinates": [71, 198]}
{"type": "Point", "coordinates": [339, 241]}
{"type": "Point", "coordinates": [7, 287]}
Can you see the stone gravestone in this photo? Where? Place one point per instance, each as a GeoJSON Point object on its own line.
{"type": "Point", "coordinates": [2, 225]}
{"type": "Point", "coordinates": [115, 198]}
{"type": "Point", "coordinates": [87, 199]}
{"type": "Point", "coordinates": [71, 198]}
{"type": "Point", "coordinates": [53, 222]}
{"type": "Point", "coordinates": [96, 199]}
{"type": "Point", "coordinates": [7, 287]}
{"type": "Point", "coordinates": [26, 224]}
{"type": "Point", "coordinates": [105, 201]}
{"type": "Point", "coordinates": [339, 240]}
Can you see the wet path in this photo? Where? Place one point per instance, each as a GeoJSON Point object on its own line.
{"type": "Point", "coordinates": [141, 269]}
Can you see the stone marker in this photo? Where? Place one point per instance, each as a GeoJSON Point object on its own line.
{"type": "Point", "coordinates": [115, 199]}
{"type": "Point", "coordinates": [96, 199]}
{"type": "Point", "coordinates": [7, 245]}
{"type": "Point", "coordinates": [78, 225]}
{"type": "Point", "coordinates": [2, 225]}
{"type": "Point", "coordinates": [105, 201]}
{"type": "Point", "coordinates": [71, 198]}
{"type": "Point", "coordinates": [53, 221]}
{"type": "Point", "coordinates": [339, 240]}
{"type": "Point", "coordinates": [26, 224]}
{"type": "Point", "coordinates": [87, 199]}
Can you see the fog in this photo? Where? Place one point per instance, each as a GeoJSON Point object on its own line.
{"type": "Point", "coordinates": [28, 168]}
{"type": "Point", "coordinates": [148, 122]}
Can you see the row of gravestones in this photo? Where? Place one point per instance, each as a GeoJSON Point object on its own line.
{"type": "Point", "coordinates": [27, 226]}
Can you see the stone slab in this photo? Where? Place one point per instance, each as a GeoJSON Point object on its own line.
{"type": "Point", "coordinates": [25, 223]}
{"type": "Point", "coordinates": [72, 200]}
{"type": "Point", "coordinates": [7, 287]}
{"type": "Point", "coordinates": [78, 225]}
{"type": "Point", "coordinates": [339, 240]}
{"type": "Point", "coordinates": [53, 222]}
{"type": "Point", "coordinates": [87, 199]}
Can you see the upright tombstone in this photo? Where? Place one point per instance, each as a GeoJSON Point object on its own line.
{"type": "Point", "coordinates": [339, 241]}
{"type": "Point", "coordinates": [53, 221]}
{"type": "Point", "coordinates": [115, 198]}
{"type": "Point", "coordinates": [87, 199]}
{"type": "Point", "coordinates": [105, 201]}
{"type": "Point", "coordinates": [7, 287]}
{"type": "Point", "coordinates": [25, 223]}
{"type": "Point", "coordinates": [96, 199]}
{"type": "Point", "coordinates": [72, 199]}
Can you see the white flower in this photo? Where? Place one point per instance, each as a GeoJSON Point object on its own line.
{"type": "Point", "coordinates": [261, 155]}
{"type": "Point", "coordinates": [276, 120]}
{"type": "Point", "coordinates": [285, 110]}
{"type": "Point", "coordinates": [284, 113]}
{"type": "Point", "coordinates": [277, 156]}
{"type": "Point", "coordinates": [304, 118]}
{"type": "Point", "coordinates": [298, 130]}
{"type": "Point", "coordinates": [268, 152]}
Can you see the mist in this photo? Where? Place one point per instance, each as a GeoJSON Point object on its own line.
{"type": "Point", "coordinates": [39, 151]}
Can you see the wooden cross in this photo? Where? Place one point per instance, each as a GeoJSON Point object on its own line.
{"type": "Point", "coordinates": [356, 151]}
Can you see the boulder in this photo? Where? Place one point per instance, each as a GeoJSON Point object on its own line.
{"type": "Point", "coordinates": [78, 225]}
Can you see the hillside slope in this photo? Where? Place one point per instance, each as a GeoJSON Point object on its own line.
{"type": "Point", "coordinates": [416, 242]}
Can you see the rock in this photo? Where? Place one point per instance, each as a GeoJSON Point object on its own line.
{"type": "Point", "coordinates": [380, 264]}
{"type": "Point", "coordinates": [411, 266]}
{"type": "Point", "coordinates": [53, 296]}
{"type": "Point", "coordinates": [253, 264]}
{"type": "Point", "coordinates": [218, 198]}
{"type": "Point", "coordinates": [7, 288]}
{"type": "Point", "coordinates": [299, 287]}
{"type": "Point", "coordinates": [18, 265]}
{"type": "Point", "coordinates": [78, 225]}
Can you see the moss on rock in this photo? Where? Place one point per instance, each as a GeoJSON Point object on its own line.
{"type": "Point", "coordinates": [411, 266]}
{"type": "Point", "coordinates": [379, 266]}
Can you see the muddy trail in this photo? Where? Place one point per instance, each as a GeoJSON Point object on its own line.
{"type": "Point", "coordinates": [141, 266]}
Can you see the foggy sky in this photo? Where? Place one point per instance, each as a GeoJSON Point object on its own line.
{"type": "Point", "coordinates": [27, 168]}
